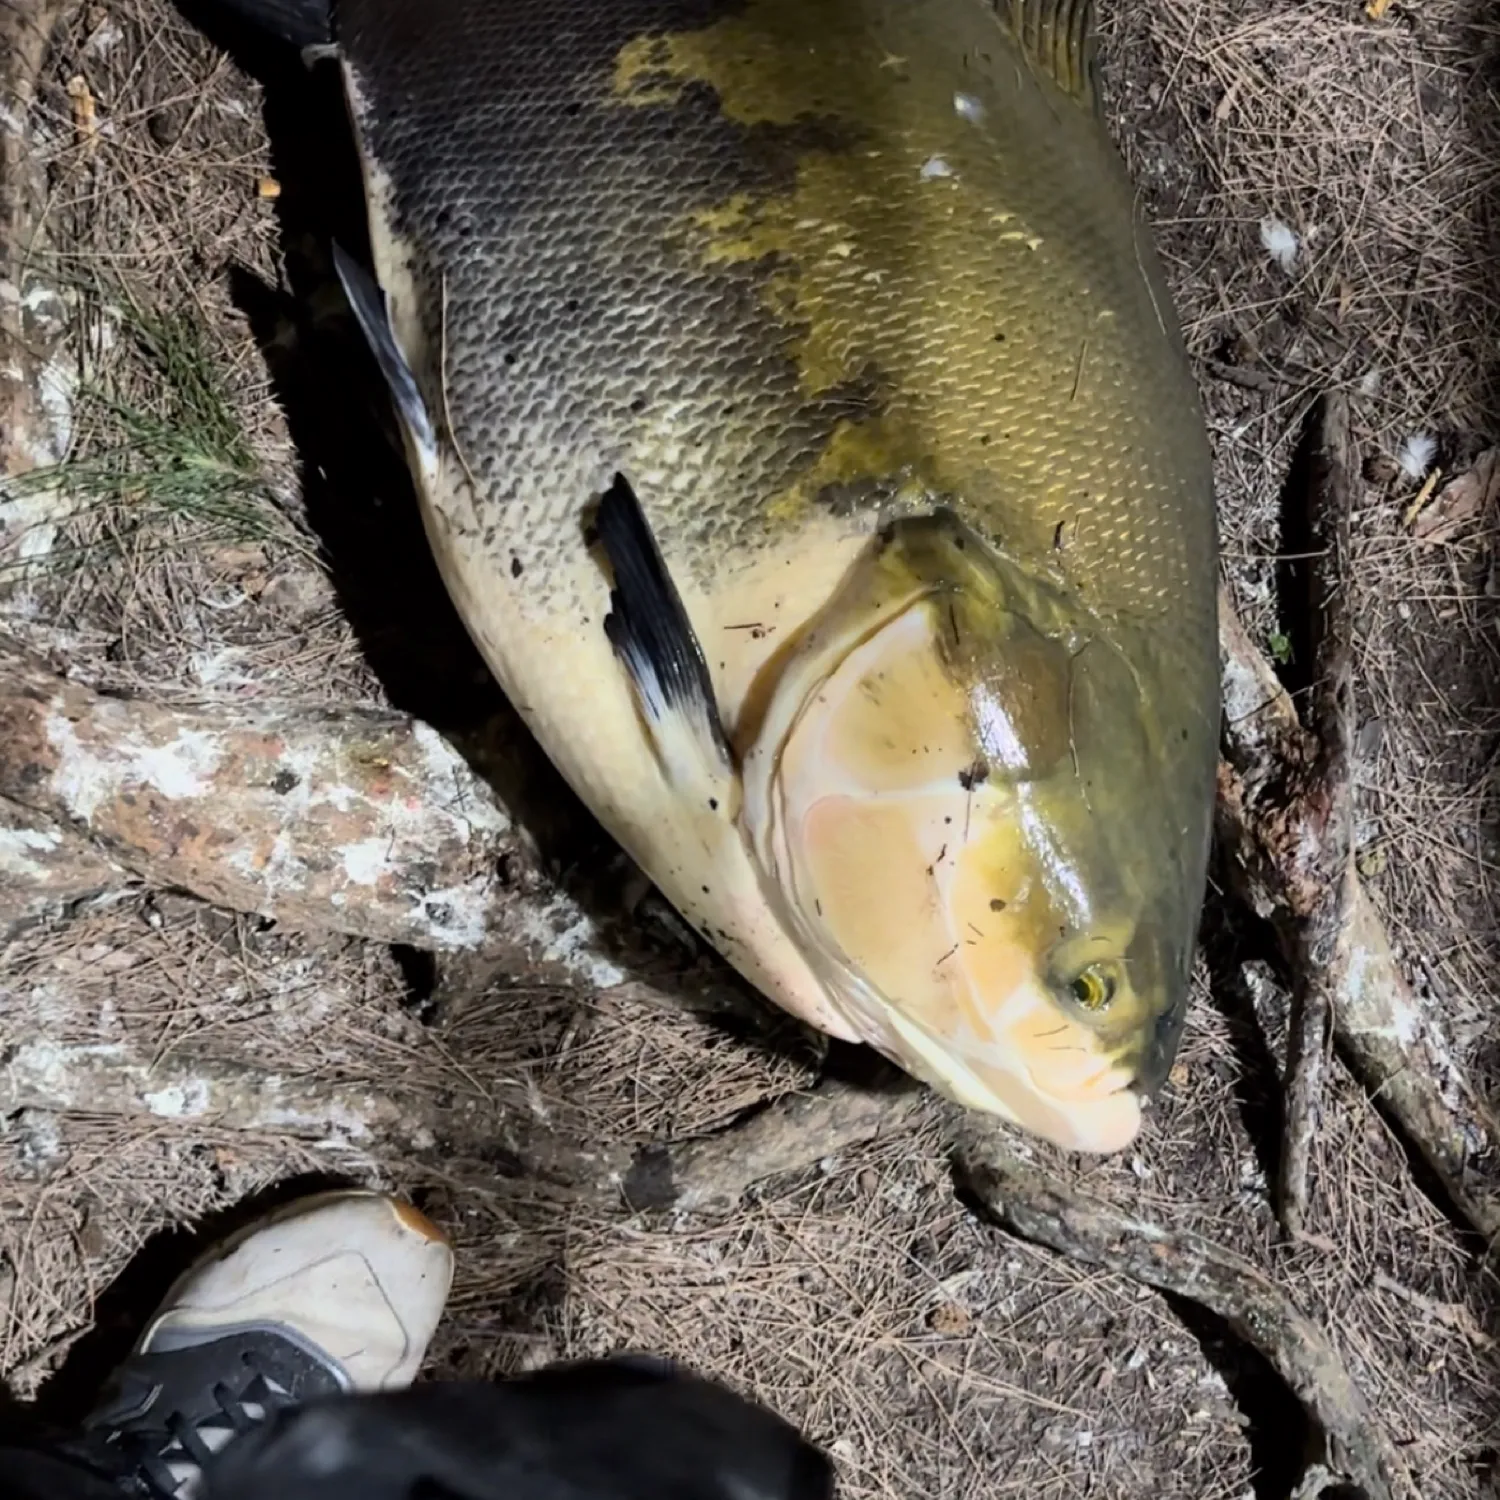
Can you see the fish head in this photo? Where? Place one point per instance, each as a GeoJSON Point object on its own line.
{"type": "Point", "coordinates": [959, 798]}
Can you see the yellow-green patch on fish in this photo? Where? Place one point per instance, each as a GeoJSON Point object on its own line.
{"type": "Point", "coordinates": [804, 432]}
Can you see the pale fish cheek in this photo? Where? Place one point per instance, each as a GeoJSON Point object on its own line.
{"type": "Point", "coordinates": [1069, 1065]}
{"type": "Point", "coordinates": [996, 1078]}
{"type": "Point", "coordinates": [1062, 1059]}
{"type": "Point", "coordinates": [995, 1088]}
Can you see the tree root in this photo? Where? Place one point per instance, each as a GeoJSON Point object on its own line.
{"type": "Point", "coordinates": [234, 1093]}
{"type": "Point", "coordinates": [362, 823]}
{"type": "Point", "coordinates": [369, 824]}
{"type": "Point", "coordinates": [1284, 825]}
{"type": "Point", "coordinates": [25, 425]}
{"type": "Point", "coordinates": [46, 870]}
{"type": "Point", "coordinates": [1030, 1203]}
{"type": "Point", "coordinates": [230, 1093]}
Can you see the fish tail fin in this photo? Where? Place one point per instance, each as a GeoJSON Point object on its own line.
{"type": "Point", "coordinates": [650, 631]}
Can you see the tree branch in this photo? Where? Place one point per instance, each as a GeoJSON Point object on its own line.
{"type": "Point", "coordinates": [1326, 809]}
{"type": "Point", "coordinates": [1031, 1204]}
{"type": "Point", "coordinates": [235, 1093]}
{"type": "Point", "coordinates": [1282, 822]}
{"type": "Point", "coordinates": [357, 822]}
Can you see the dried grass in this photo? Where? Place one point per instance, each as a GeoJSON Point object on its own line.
{"type": "Point", "coordinates": [933, 1355]}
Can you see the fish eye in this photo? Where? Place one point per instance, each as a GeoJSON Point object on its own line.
{"type": "Point", "coordinates": [1093, 988]}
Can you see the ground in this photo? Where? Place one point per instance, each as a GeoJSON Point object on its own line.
{"type": "Point", "coordinates": [218, 541]}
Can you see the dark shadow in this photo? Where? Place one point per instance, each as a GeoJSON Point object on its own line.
{"type": "Point", "coordinates": [1296, 568]}
{"type": "Point", "coordinates": [1280, 1434]}
{"type": "Point", "coordinates": [357, 491]}
{"type": "Point", "coordinates": [1231, 936]}
{"type": "Point", "coordinates": [122, 1310]}
{"type": "Point", "coordinates": [419, 975]}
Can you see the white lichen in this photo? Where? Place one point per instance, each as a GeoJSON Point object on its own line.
{"type": "Point", "coordinates": [562, 933]}
{"type": "Point", "coordinates": [86, 781]}
{"type": "Point", "coordinates": [444, 768]}
{"type": "Point", "coordinates": [179, 1101]}
{"type": "Point", "coordinates": [223, 668]}
{"type": "Point", "coordinates": [20, 848]}
{"type": "Point", "coordinates": [50, 1070]}
{"type": "Point", "coordinates": [458, 916]}
{"type": "Point", "coordinates": [934, 167]}
{"type": "Point", "coordinates": [365, 862]}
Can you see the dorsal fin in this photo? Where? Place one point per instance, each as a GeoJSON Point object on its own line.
{"type": "Point", "coordinates": [1059, 39]}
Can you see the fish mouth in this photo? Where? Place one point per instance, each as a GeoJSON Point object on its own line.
{"type": "Point", "coordinates": [1098, 1109]}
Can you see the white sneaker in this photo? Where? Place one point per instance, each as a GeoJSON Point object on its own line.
{"type": "Point", "coordinates": [336, 1292]}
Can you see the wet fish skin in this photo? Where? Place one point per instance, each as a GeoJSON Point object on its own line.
{"type": "Point", "coordinates": [802, 272]}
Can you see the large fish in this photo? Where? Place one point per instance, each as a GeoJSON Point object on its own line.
{"type": "Point", "coordinates": [804, 432]}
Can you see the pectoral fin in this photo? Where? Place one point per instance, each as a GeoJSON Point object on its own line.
{"type": "Point", "coordinates": [368, 304]}
{"type": "Point", "coordinates": [655, 642]}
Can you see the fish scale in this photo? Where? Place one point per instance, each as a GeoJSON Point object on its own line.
{"type": "Point", "coordinates": [805, 340]}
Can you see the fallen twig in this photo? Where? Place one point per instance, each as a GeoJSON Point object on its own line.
{"type": "Point", "coordinates": [1029, 1203]}
{"type": "Point", "coordinates": [1244, 376]}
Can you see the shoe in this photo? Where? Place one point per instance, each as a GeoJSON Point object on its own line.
{"type": "Point", "coordinates": [334, 1293]}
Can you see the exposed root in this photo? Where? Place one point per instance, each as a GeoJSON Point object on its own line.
{"type": "Point", "coordinates": [363, 823]}
{"type": "Point", "coordinates": [1037, 1207]}
{"type": "Point", "coordinates": [1324, 489]}
{"type": "Point", "coordinates": [373, 826]}
{"type": "Point", "coordinates": [25, 428]}
{"type": "Point", "coordinates": [793, 1132]}
{"type": "Point", "coordinates": [235, 1093]}
{"type": "Point", "coordinates": [1283, 822]}
{"type": "Point", "coordinates": [109, 1078]}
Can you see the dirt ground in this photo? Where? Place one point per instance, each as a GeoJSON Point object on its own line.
{"type": "Point", "coordinates": [930, 1353]}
